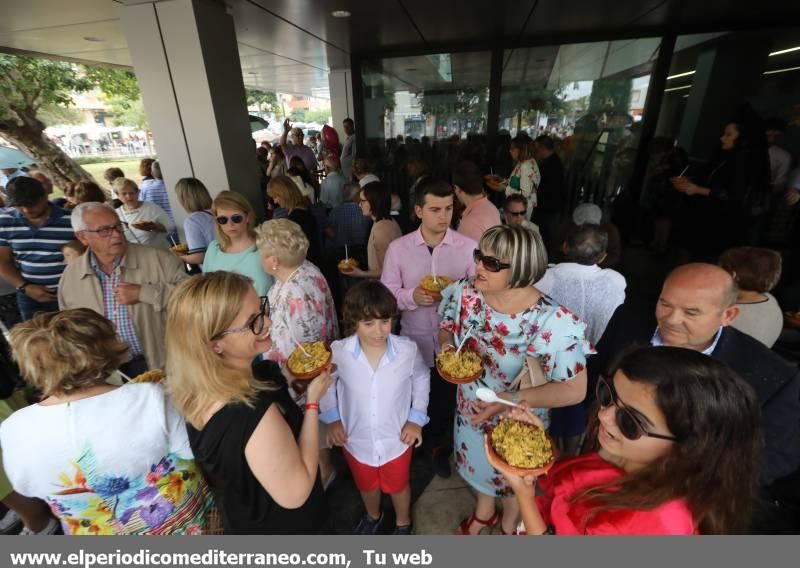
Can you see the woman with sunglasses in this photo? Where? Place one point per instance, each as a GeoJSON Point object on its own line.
{"type": "Point", "coordinates": [244, 428]}
{"type": "Point", "coordinates": [509, 323]}
{"type": "Point", "coordinates": [234, 249]}
{"type": "Point", "coordinates": [676, 443]}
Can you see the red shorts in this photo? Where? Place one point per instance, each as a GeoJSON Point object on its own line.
{"type": "Point", "coordinates": [391, 477]}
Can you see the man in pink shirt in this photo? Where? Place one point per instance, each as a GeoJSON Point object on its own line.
{"type": "Point", "coordinates": [434, 248]}
{"type": "Point", "coordinates": [480, 213]}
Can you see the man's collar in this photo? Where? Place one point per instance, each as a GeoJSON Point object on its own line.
{"type": "Point", "coordinates": [657, 341]}
{"type": "Point", "coordinates": [419, 240]}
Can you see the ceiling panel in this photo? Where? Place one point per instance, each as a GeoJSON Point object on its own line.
{"type": "Point", "coordinates": [290, 45]}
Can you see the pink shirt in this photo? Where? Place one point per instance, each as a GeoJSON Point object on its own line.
{"type": "Point", "coordinates": [407, 262]}
{"type": "Point", "coordinates": [477, 217]}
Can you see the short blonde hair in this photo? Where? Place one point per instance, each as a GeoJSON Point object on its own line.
{"type": "Point", "coordinates": [193, 195]}
{"type": "Point", "coordinates": [67, 351]}
{"type": "Point", "coordinates": [282, 238]}
{"type": "Point", "coordinates": [121, 183]}
{"type": "Point", "coordinates": [236, 202]}
{"type": "Point", "coordinates": [520, 247]}
{"type": "Point", "coordinates": [199, 310]}
{"type": "Point", "coordinates": [284, 188]}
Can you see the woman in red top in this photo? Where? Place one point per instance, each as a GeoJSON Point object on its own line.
{"type": "Point", "coordinates": [678, 443]}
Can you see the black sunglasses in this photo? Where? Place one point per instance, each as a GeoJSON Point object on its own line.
{"type": "Point", "coordinates": [515, 213]}
{"type": "Point", "coordinates": [235, 219]}
{"type": "Point", "coordinates": [630, 425]}
{"type": "Point", "coordinates": [490, 263]}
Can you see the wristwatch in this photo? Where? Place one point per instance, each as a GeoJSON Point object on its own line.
{"type": "Point", "coordinates": [21, 287]}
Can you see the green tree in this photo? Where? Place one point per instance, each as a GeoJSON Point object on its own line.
{"type": "Point", "coordinates": [56, 115]}
{"type": "Point", "coordinates": [318, 116]}
{"type": "Point", "coordinates": [26, 85]}
{"type": "Point", "coordinates": [265, 101]}
{"type": "Point", "coordinates": [298, 115]}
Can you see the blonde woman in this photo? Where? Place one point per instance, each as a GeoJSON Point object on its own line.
{"type": "Point", "coordinates": [243, 426]}
{"type": "Point", "coordinates": [199, 225]}
{"type": "Point", "coordinates": [234, 249]}
{"type": "Point", "coordinates": [284, 191]}
{"type": "Point", "coordinates": [525, 177]}
{"type": "Point", "coordinates": [107, 459]}
{"type": "Point", "coordinates": [511, 324]}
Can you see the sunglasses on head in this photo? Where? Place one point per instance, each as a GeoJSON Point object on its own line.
{"type": "Point", "coordinates": [630, 425]}
{"type": "Point", "coordinates": [490, 263]}
{"type": "Point", "coordinates": [235, 219]}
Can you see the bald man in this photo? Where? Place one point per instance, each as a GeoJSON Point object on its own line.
{"type": "Point", "coordinates": [695, 311]}
{"type": "Point", "coordinates": [42, 178]}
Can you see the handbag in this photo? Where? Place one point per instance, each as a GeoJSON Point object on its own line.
{"type": "Point", "coordinates": [530, 376]}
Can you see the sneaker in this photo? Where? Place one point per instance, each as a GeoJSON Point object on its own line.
{"type": "Point", "coordinates": [10, 523]}
{"type": "Point", "coordinates": [52, 527]}
{"type": "Point", "coordinates": [404, 530]}
{"type": "Point", "coordinates": [367, 525]}
{"type": "Point", "coordinates": [441, 462]}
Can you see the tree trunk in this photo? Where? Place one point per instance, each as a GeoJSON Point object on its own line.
{"type": "Point", "coordinates": [30, 138]}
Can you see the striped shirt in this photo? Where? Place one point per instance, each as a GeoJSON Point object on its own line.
{"type": "Point", "coordinates": [37, 250]}
{"type": "Point", "coordinates": [117, 313]}
{"type": "Point", "coordinates": [154, 190]}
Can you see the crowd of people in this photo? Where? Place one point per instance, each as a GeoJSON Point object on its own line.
{"type": "Point", "coordinates": [672, 417]}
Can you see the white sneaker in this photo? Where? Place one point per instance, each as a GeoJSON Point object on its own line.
{"type": "Point", "coordinates": [51, 528]}
{"type": "Point", "coordinates": [11, 523]}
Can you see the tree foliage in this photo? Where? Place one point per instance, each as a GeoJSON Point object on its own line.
{"type": "Point", "coordinates": [265, 101]}
{"type": "Point", "coordinates": [57, 115]}
{"type": "Point", "coordinates": [27, 83]}
{"type": "Point", "coordinates": [117, 84]}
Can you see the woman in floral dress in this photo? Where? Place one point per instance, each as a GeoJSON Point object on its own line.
{"type": "Point", "coordinates": [525, 177]}
{"type": "Point", "coordinates": [510, 321]}
{"type": "Point", "coordinates": [300, 302]}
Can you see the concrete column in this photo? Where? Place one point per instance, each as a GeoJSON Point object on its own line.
{"type": "Point", "coordinates": [340, 85]}
{"type": "Point", "coordinates": [186, 59]}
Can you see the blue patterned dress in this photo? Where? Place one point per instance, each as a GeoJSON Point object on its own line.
{"type": "Point", "coordinates": [547, 331]}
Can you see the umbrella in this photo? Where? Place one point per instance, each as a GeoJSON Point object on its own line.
{"type": "Point", "coordinates": [257, 123]}
{"type": "Point", "coordinates": [13, 158]}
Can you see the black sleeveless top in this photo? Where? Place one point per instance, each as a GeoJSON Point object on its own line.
{"type": "Point", "coordinates": [246, 506]}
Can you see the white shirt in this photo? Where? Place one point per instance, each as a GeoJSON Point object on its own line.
{"type": "Point", "coordinates": [762, 320]}
{"type": "Point", "coordinates": [148, 211]}
{"type": "Point", "coordinates": [780, 161]}
{"type": "Point", "coordinates": [110, 447]}
{"type": "Point", "coordinates": [590, 292]}
{"type": "Point", "coordinates": [374, 405]}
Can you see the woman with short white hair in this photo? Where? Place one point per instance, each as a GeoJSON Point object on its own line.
{"type": "Point", "coordinates": [512, 326]}
{"type": "Point", "coordinates": [301, 302]}
{"type": "Point", "coordinates": [302, 305]}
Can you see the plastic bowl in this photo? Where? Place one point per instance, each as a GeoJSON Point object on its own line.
{"type": "Point", "coordinates": [501, 465]}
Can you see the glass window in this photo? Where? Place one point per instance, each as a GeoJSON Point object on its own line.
{"type": "Point", "coordinates": [590, 99]}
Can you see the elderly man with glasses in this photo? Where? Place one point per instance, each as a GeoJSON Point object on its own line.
{"type": "Point", "coordinates": [130, 284]}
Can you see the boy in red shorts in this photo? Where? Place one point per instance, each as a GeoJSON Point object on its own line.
{"type": "Point", "coordinates": [378, 403]}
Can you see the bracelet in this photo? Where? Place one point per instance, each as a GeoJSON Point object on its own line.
{"type": "Point", "coordinates": [312, 405]}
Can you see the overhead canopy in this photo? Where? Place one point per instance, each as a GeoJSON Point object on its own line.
{"type": "Point", "coordinates": [291, 45]}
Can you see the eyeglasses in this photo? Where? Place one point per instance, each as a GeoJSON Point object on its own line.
{"type": "Point", "coordinates": [106, 232]}
{"type": "Point", "coordinates": [630, 425]}
{"type": "Point", "coordinates": [235, 219]}
{"type": "Point", "coordinates": [515, 213]}
{"type": "Point", "coordinates": [490, 263]}
{"type": "Point", "coordinates": [256, 324]}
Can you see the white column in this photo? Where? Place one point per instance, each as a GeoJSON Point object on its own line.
{"type": "Point", "coordinates": [186, 59]}
{"type": "Point", "coordinates": [340, 85]}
